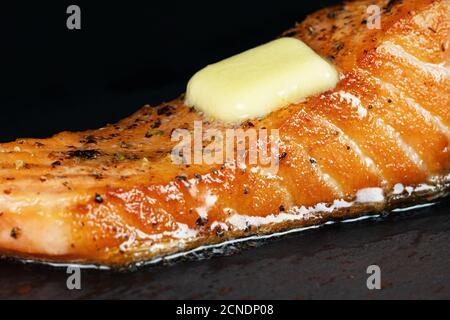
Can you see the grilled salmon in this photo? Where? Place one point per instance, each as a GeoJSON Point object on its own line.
{"type": "Point", "coordinates": [379, 140]}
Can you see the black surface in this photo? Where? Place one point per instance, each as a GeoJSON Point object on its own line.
{"type": "Point", "coordinates": [412, 250]}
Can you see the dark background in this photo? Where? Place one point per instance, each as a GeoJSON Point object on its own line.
{"type": "Point", "coordinates": [127, 54]}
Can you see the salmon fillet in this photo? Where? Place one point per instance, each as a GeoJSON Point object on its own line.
{"type": "Point", "coordinates": [379, 140]}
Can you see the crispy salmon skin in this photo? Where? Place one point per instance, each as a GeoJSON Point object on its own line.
{"type": "Point", "coordinates": [379, 140]}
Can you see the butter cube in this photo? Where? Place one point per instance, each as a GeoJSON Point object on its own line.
{"type": "Point", "coordinates": [259, 81]}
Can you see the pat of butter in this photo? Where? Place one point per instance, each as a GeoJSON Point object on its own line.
{"type": "Point", "coordinates": [258, 81]}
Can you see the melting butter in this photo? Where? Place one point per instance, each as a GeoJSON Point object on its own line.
{"type": "Point", "coordinates": [256, 82]}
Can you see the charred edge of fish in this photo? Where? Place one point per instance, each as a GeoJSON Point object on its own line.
{"type": "Point", "coordinates": [219, 231]}
{"type": "Point", "coordinates": [184, 181]}
{"type": "Point", "coordinates": [56, 164]}
{"type": "Point", "coordinates": [291, 33]}
{"type": "Point", "coordinates": [339, 46]}
{"type": "Point", "coordinates": [84, 154]}
{"type": "Point", "coordinates": [282, 155]}
{"type": "Point", "coordinates": [166, 110]}
{"type": "Point", "coordinates": [125, 145]}
{"type": "Point", "coordinates": [150, 133]}
{"type": "Point", "coordinates": [156, 124]}
{"type": "Point", "coordinates": [89, 140]}
{"type": "Point", "coordinates": [312, 31]}
{"type": "Point", "coordinates": [331, 15]}
{"type": "Point", "coordinates": [201, 221]}
{"type": "Point", "coordinates": [247, 124]}
{"type": "Point", "coordinates": [15, 232]}
{"type": "Point", "coordinates": [391, 4]}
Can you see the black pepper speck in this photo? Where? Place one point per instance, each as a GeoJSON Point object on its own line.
{"type": "Point", "coordinates": [201, 221]}
{"type": "Point", "coordinates": [15, 232]}
{"type": "Point", "coordinates": [282, 155]}
{"type": "Point", "coordinates": [98, 198]}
